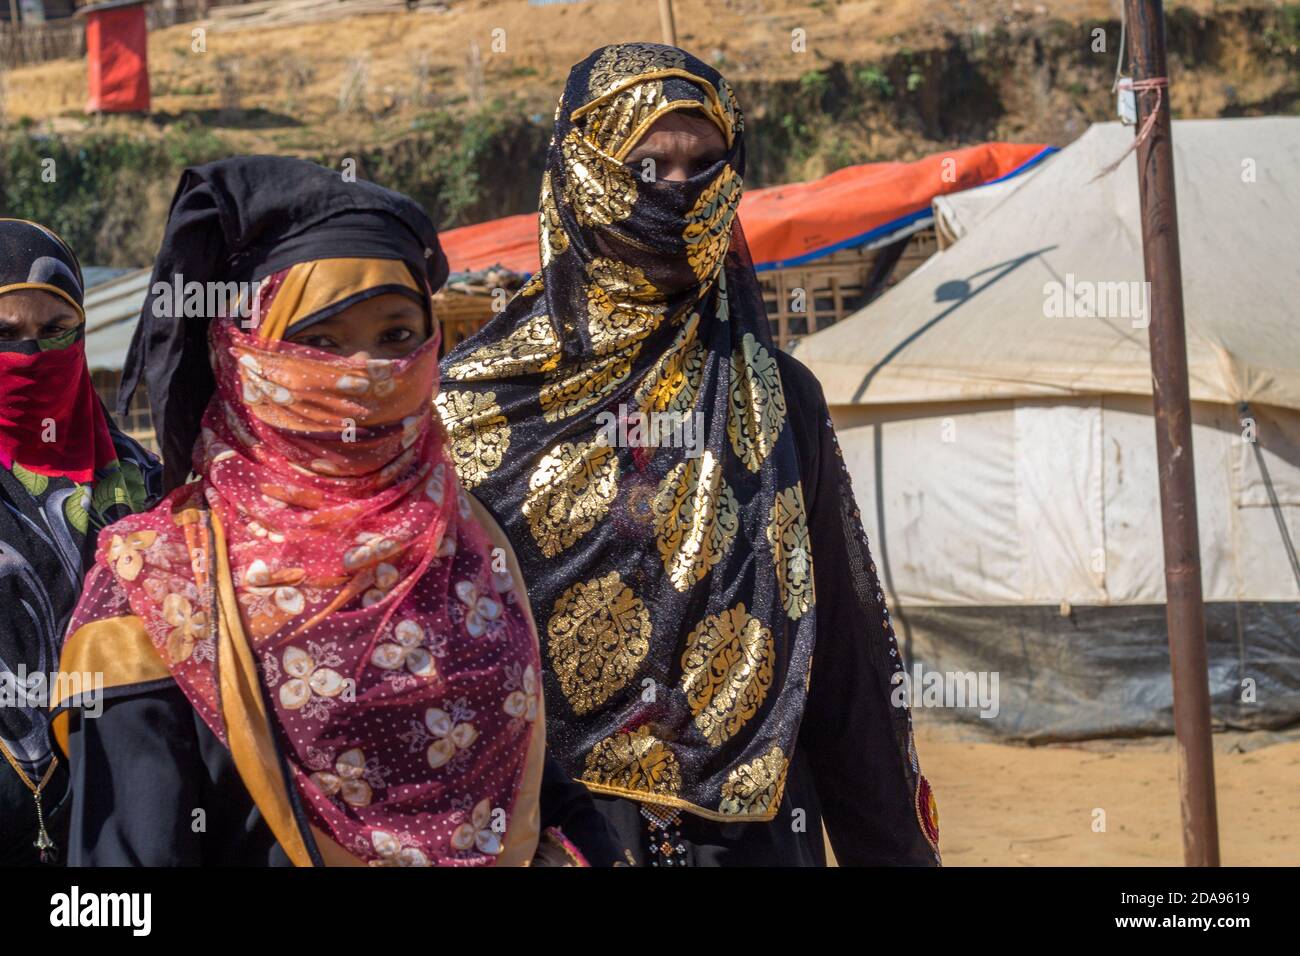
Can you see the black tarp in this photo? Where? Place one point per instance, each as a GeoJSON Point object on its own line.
{"type": "Point", "coordinates": [1104, 672]}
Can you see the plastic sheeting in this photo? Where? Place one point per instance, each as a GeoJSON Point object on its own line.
{"type": "Point", "coordinates": [799, 222]}
{"type": "Point", "coordinates": [1100, 672]}
{"type": "Point", "coordinates": [1024, 537]}
{"type": "Point", "coordinates": [1038, 503]}
{"type": "Point", "coordinates": [1003, 454]}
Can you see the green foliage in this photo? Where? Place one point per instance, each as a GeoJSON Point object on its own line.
{"type": "Point", "coordinates": [100, 182]}
{"type": "Point", "coordinates": [814, 84]}
{"type": "Point", "coordinates": [838, 152]}
{"type": "Point", "coordinates": [875, 81]}
{"type": "Point", "coordinates": [1283, 35]}
{"type": "Point", "coordinates": [462, 168]}
{"type": "Point", "coordinates": [104, 181]}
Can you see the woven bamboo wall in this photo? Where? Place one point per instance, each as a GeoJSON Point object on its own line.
{"type": "Point", "coordinates": [805, 299]}
{"type": "Point", "coordinates": [461, 315]}
{"type": "Point", "coordinates": [139, 423]}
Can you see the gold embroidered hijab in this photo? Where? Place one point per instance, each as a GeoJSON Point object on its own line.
{"type": "Point", "coordinates": [672, 586]}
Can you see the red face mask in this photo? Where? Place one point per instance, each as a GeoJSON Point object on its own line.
{"type": "Point", "coordinates": [51, 421]}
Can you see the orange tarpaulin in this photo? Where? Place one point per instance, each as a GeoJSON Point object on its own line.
{"type": "Point", "coordinates": [117, 63]}
{"type": "Point", "coordinates": [787, 225]}
{"type": "Point", "coordinates": [509, 242]}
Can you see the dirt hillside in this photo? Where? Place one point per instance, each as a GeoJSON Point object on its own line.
{"type": "Point", "coordinates": [339, 77]}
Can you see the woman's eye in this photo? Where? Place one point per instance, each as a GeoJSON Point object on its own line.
{"type": "Point", "coordinates": [318, 342]}
{"type": "Point", "coordinates": [393, 336]}
{"type": "Point", "coordinates": [704, 164]}
{"type": "Point", "coordinates": [648, 163]}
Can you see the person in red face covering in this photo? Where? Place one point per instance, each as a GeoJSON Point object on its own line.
{"type": "Point", "coordinates": [65, 473]}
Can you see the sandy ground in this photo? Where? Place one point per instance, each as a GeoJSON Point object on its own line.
{"type": "Point", "coordinates": [1003, 805]}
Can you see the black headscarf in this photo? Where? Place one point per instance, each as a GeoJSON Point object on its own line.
{"type": "Point", "coordinates": [33, 257]}
{"type": "Point", "coordinates": [240, 220]}
{"type": "Point", "coordinates": [673, 592]}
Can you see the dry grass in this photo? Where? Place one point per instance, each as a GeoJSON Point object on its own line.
{"type": "Point", "coordinates": [749, 38]}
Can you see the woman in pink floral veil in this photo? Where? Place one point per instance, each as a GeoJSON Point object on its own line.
{"type": "Point", "coordinates": [319, 650]}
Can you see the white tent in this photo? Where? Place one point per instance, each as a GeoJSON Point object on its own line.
{"type": "Point", "coordinates": [955, 214]}
{"type": "Point", "coordinates": [995, 413]}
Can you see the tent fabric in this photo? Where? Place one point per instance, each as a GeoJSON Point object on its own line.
{"type": "Point", "coordinates": [955, 214]}
{"type": "Point", "coordinates": [1101, 672]}
{"type": "Point", "coordinates": [977, 320]}
{"type": "Point", "coordinates": [1003, 457]}
{"type": "Point", "coordinates": [792, 224]}
{"type": "Point", "coordinates": [1033, 502]}
{"type": "Point", "coordinates": [117, 59]}
{"type": "Point", "coordinates": [112, 308]}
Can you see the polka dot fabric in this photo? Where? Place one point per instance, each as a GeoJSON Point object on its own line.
{"type": "Point", "coordinates": [398, 661]}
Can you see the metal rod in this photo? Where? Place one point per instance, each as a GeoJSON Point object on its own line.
{"type": "Point", "coordinates": [1184, 609]}
{"type": "Point", "coordinates": [667, 22]}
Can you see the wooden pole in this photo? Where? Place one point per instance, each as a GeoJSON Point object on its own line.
{"type": "Point", "coordinates": [1184, 609]}
{"type": "Point", "coordinates": [666, 21]}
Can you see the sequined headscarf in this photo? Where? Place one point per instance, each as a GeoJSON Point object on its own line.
{"type": "Point", "coordinates": [673, 585]}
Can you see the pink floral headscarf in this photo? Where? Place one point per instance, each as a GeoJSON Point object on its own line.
{"type": "Point", "coordinates": [397, 660]}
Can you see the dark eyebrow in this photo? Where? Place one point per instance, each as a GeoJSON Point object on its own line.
{"type": "Point", "coordinates": [316, 328]}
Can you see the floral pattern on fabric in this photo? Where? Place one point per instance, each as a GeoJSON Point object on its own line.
{"type": "Point", "coordinates": [47, 540]}
{"type": "Point", "coordinates": [391, 652]}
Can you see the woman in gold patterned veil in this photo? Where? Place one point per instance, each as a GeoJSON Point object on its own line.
{"type": "Point", "coordinates": [672, 485]}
